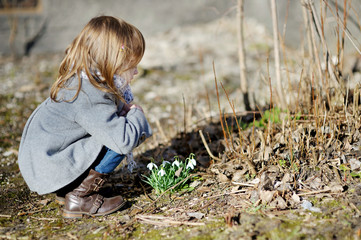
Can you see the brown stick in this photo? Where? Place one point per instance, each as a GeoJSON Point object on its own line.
{"type": "Point", "coordinates": [219, 107]}
{"type": "Point", "coordinates": [164, 221]}
{"type": "Point", "coordinates": [207, 148]}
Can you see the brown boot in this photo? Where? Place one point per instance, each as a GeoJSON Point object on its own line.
{"type": "Point", "coordinates": [60, 196]}
{"type": "Point", "coordinates": [85, 200]}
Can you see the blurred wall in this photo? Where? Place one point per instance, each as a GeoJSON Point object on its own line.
{"type": "Point", "coordinates": [290, 20]}
{"type": "Point", "coordinates": [57, 22]}
{"type": "Point", "coordinates": [54, 26]}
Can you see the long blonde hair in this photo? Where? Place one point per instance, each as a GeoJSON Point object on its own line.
{"type": "Point", "coordinates": [106, 44]}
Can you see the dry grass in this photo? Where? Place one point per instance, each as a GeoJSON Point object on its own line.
{"type": "Point", "coordinates": [321, 123]}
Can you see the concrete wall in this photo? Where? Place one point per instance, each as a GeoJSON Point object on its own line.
{"type": "Point", "coordinates": [53, 28]}
{"type": "Point", "coordinates": [60, 21]}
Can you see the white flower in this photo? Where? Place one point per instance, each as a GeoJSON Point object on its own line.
{"type": "Point", "coordinates": [176, 162]}
{"type": "Point", "coordinates": [161, 172]}
{"type": "Point", "coordinates": [151, 165]}
{"type": "Point", "coordinates": [165, 162]}
{"type": "Point", "coordinates": [190, 165]}
{"type": "Point", "coordinates": [193, 162]}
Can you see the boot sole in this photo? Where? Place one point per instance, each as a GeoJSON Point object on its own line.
{"type": "Point", "coordinates": [71, 214]}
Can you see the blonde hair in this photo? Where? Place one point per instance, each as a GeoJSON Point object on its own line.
{"type": "Point", "coordinates": [106, 44]}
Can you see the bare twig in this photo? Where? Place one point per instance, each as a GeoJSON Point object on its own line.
{"type": "Point", "coordinates": [314, 192]}
{"type": "Point", "coordinates": [314, 45]}
{"type": "Point", "coordinates": [207, 148]}
{"type": "Point", "coordinates": [344, 29]}
{"type": "Point", "coordinates": [219, 107]}
{"type": "Point", "coordinates": [165, 221]}
{"type": "Point", "coordinates": [228, 193]}
{"type": "Point", "coordinates": [185, 115]}
{"type": "Point", "coordinates": [161, 130]}
{"type": "Point", "coordinates": [243, 184]}
{"type": "Point", "coordinates": [145, 192]}
{"type": "Point", "coordinates": [332, 69]}
{"type": "Point", "coordinates": [250, 164]}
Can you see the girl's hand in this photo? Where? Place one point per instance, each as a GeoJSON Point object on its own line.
{"type": "Point", "coordinates": [136, 106]}
{"type": "Point", "coordinates": [125, 109]}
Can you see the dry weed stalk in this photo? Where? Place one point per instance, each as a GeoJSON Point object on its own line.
{"type": "Point", "coordinates": [344, 28]}
{"type": "Point", "coordinates": [280, 89]}
{"type": "Point", "coordinates": [227, 131]}
{"type": "Point", "coordinates": [313, 136]}
{"type": "Point", "coordinates": [312, 42]}
{"type": "Point", "coordinates": [219, 107]}
{"type": "Point", "coordinates": [330, 67]}
{"type": "Point", "coordinates": [251, 165]}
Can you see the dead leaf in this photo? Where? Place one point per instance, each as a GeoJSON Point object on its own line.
{"type": "Point", "coordinates": [266, 196]}
{"type": "Point", "coordinates": [254, 196]}
{"type": "Point", "coordinates": [296, 198]}
{"type": "Point", "coordinates": [222, 178]}
{"type": "Point", "coordinates": [204, 189]}
{"type": "Point", "coordinates": [44, 201]}
{"type": "Point", "coordinates": [195, 184]}
{"type": "Point", "coordinates": [355, 164]}
{"type": "Point", "coordinates": [135, 211]}
{"type": "Point", "coordinates": [178, 172]}
{"type": "Point", "coordinates": [316, 183]}
{"type": "Point", "coordinates": [235, 188]}
{"type": "Point", "coordinates": [335, 187]}
{"type": "Point", "coordinates": [279, 203]}
{"type": "Point", "coordinates": [266, 182]}
{"type": "Point", "coordinates": [238, 176]}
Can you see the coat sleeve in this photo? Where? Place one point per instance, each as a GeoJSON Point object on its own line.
{"type": "Point", "coordinates": [99, 118]}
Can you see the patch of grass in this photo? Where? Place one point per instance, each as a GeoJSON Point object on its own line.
{"type": "Point", "coordinates": [287, 230]}
{"type": "Point", "coordinates": [269, 116]}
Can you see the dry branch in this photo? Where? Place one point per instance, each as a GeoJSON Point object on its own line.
{"type": "Point", "coordinates": [165, 221]}
{"type": "Point", "coordinates": [207, 148]}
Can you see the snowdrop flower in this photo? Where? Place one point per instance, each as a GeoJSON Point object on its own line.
{"type": "Point", "coordinates": [161, 172]}
{"type": "Point", "coordinates": [193, 162]}
{"type": "Point", "coordinates": [165, 162]}
{"type": "Point", "coordinates": [151, 165]}
{"type": "Point", "coordinates": [190, 165]}
{"type": "Point", "coordinates": [176, 162]}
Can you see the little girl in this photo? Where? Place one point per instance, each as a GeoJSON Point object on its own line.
{"type": "Point", "coordinates": [79, 135]}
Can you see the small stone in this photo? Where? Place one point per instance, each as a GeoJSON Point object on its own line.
{"type": "Point", "coordinates": [197, 215]}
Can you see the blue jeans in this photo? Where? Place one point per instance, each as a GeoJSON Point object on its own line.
{"type": "Point", "coordinates": [109, 161]}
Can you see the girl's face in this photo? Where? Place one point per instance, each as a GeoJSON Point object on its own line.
{"type": "Point", "coordinates": [129, 74]}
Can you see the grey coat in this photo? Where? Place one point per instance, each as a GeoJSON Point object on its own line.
{"type": "Point", "coordinates": [61, 140]}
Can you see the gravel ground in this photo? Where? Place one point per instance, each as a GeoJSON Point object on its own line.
{"type": "Point", "coordinates": [176, 73]}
